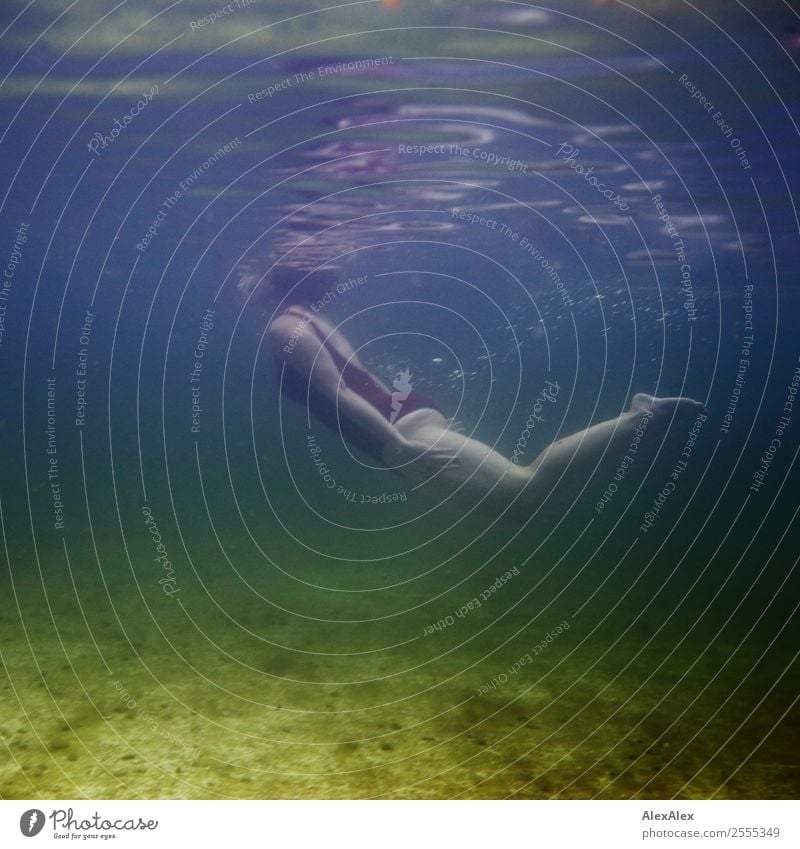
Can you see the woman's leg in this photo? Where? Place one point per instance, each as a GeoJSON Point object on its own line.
{"type": "Point", "coordinates": [482, 474]}
{"type": "Point", "coordinates": [482, 471]}
{"type": "Point", "coordinates": [582, 451]}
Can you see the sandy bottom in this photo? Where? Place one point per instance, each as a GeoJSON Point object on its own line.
{"type": "Point", "coordinates": [153, 699]}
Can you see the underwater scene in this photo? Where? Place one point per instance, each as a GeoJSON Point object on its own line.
{"type": "Point", "coordinates": [400, 399]}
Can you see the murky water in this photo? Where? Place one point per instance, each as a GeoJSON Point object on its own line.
{"type": "Point", "coordinates": [587, 200]}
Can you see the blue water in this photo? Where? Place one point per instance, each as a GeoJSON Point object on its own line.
{"type": "Point", "coordinates": [600, 195]}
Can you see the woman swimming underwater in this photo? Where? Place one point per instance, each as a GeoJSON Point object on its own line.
{"type": "Point", "coordinates": [406, 432]}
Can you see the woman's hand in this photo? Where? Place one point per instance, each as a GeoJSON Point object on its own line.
{"type": "Point", "coordinates": [405, 452]}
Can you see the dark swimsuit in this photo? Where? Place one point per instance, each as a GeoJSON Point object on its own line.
{"type": "Point", "coordinates": [295, 385]}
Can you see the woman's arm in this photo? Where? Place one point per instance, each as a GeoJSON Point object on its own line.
{"type": "Point", "coordinates": [296, 344]}
{"type": "Point", "coordinates": [333, 338]}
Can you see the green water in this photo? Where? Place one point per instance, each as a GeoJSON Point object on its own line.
{"type": "Point", "coordinates": [291, 642]}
